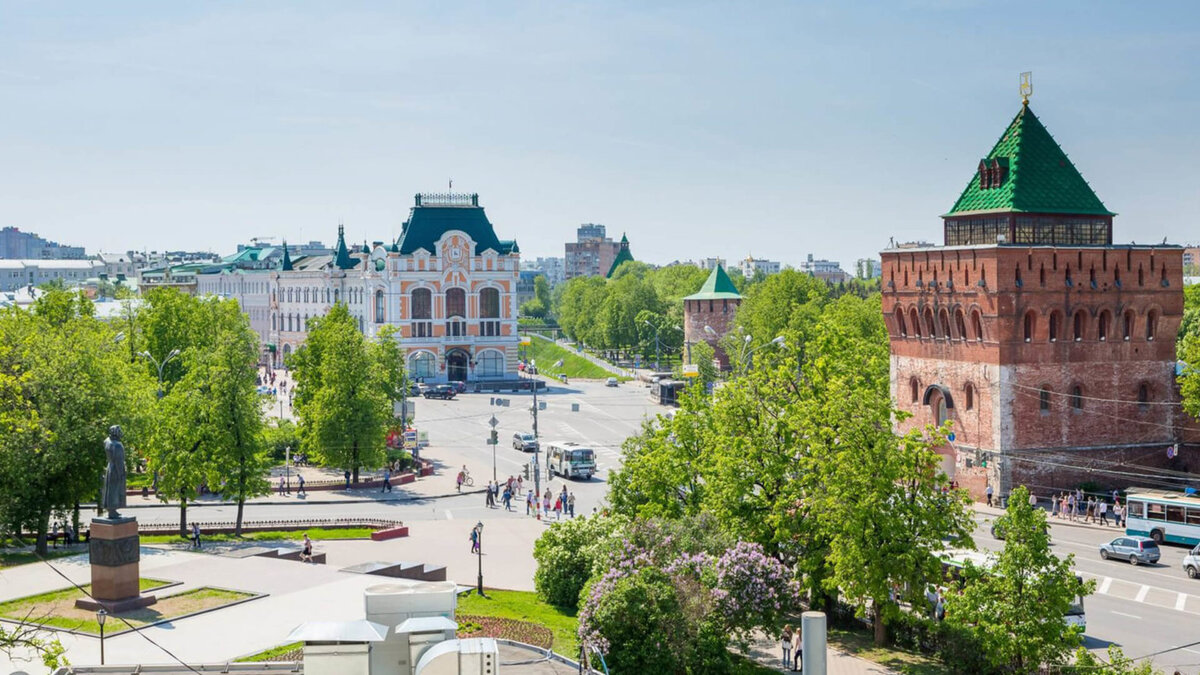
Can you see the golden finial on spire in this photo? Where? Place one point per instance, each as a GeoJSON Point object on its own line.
{"type": "Point", "coordinates": [1026, 87]}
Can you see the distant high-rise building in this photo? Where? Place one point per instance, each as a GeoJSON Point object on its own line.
{"type": "Point", "coordinates": [18, 245]}
{"type": "Point", "coordinates": [552, 268]}
{"type": "Point", "coordinates": [866, 268]}
{"type": "Point", "coordinates": [591, 254]}
{"type": "Point", "coordinates": [751, 265]}
{"type": "Point", "coordinates": [825, 270]}
{"type": "Point", "coordinates": [710, 263]}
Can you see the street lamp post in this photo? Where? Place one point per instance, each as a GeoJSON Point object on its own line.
{"type": "Point", "coordinates": [479, 554]}
{"type": "Point", "coordinates": [160, 365]}
{"type": "Point", "coordinates": [101, 615]}
{"type": "Point", "coordinates": [657, 348]}
{"type": "Point", "coordinates": [748, 357]}
{"type": "Point", "coordinates": [537, 444]}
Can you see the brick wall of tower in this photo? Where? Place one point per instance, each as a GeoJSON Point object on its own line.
{"type": "Point", "coordinates": [717, 314]}
{"type": "Point", "coordinates": [957, 318]}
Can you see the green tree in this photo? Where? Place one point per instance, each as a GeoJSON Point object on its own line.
{"type": "Point", "coordinates": [225, 423]}
{"type": "Point", "coordinates": [340, 398]}
{"type": "Point", "coordinates": [787, 300]}
{"type": "Point", "coordinates": [703, 355]}
{"type": "Point", "coordinates": [63, 380]}
{"type": "Point", "coordinates": [1087, 663]}
{"type": "Point", "coordinates": [533, 308]}
{"type": "Point", "coordinates": [541, 290]}
{"type": "Point", "coordinates": [1018, 607]}
{"type": "Point", "coordinates": [567, 552]}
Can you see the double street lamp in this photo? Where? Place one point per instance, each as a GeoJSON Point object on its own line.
{"type": "Point", "coordinates": [160, 365]}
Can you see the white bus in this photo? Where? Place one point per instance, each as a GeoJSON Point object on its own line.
{"type": "Point", "coordinates": [571, 460]}
{"type": "Point", "coordinates": [955, 560]}
{"type": "Point", "coordinates": [1163, 515]}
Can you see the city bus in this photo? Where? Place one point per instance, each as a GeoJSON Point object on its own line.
{"type": "Point", "coordinates": [954, 561]}
{"type": "Point", "coordinates": [1163, 515]}
{"type": "Point", "coordinates": [571, 460]}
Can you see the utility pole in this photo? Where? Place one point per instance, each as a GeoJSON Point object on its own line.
{"type": "Point", "coordinates": [537, 444]}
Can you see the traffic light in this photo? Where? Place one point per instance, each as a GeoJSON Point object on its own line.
{"type": "Point", "coordinates": [495, 439]}
{"type": "Point", "coordinates": [526, 472]}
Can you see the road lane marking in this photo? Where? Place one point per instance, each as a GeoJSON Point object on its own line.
{"type": "Point", "coordinates": [1104, 585]}
{"type": "Point", "coordinates": [1131, 616]}
{"type": "Point", "coordinates": [1189, 650]}
{"type": "Point", "coordinates": [1181, 601]}
{"type": "Point", "coordinates": [1141, 595]}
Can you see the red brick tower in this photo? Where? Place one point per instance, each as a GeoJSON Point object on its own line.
{"type": "Point", "coordinates": [708, 313]}
{"type": "Point", "coordinates": [1050, 349]}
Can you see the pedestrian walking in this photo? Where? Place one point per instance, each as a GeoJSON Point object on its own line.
{"type": "Point", "coordinates": [558, 505]}
{"type": "Point", "coordinates": [507, 499]}
{"type": "Point", "coordinates": [785, 644]}
{"type": "Point", "coordinates": [1102, 507]}
{"type": "Point", "coordinates": [195, 535]}
{"type": "Point", "coordinates": [1071, 507]}
{"type": "Point", "coordinates": [797, 649]}
{"type": "Point", "coordinates": [571, 504]}
{"type": "Point", "coordinates": [490, 500]}
{"type": "Point", "coordinates": [529, 502]}
{"type": "Point", "coordinates": [1054, 506]}
{"type": "Point", "coordinates": [1118, 514]}
{"type": "Point", "coordinates": [387, 480]}
{"type": "Point", "coordinates": [281, 486]}
{"type": "Point", "coordinates": [300, 490]}
{"type": "Point", "coordinates": [988, 491]}
{"type": "Point", "coordinates": [306, 552]}
{"type": "Point", "coordinates": [1032, 500]}
{"type": "Point", "coordinates": [474, 540]}
{"type": "Point", "coordinates": [546, 502]}
{"type": "Point", "coordinates": [459, 481]}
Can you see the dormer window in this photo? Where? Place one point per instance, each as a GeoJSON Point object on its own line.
{"type": "Point", "coordinates": [985, 175]}
{"type": "Point", "coordinates": [992, 173]}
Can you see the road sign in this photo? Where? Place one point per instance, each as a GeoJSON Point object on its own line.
{"type": "Point", "coordinates": [493, 423]}
{"type": "Point", "coordinates": [691, 370]}
{"type": "Point", "coordinates": [950, 436]}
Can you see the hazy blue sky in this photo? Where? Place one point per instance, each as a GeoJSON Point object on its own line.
{"type": "Point", "coordinates": [700, 128]}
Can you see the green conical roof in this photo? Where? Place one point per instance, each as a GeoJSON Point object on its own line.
{"type": "Point", "coordinates": [286, 266]}
{"type": "Point", "coordinates": [623, 256]}
{"type": "Point", "coordinates": [341, 255]}
{"type": "Point", "coordinates": [718, 286]}
{"type": "Point", "coordinates": [1037, 176]}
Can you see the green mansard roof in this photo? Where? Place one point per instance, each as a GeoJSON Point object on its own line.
{"type": "Point", "coordinates": [1035, 176]}
{"type": "Point", "coordinates": [434, 215]}
{"type": "Point", "coordinates": [718, 286]}
{"type": "Point", "coordinates": [623, 256]}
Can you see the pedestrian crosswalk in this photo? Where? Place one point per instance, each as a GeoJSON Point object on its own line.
{"type": "Point", "coordinates": [1145, 594]}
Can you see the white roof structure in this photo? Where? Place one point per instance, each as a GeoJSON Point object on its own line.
{"type": "Point", "coordinates": [426, 624]}
{"type": "Point", "coordinates": [339, 631]}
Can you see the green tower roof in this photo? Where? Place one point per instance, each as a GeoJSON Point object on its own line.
{"type": "Point", "coordinates": [623, 256]}
{"type": "Point", "coordinates": [286, 266]}
{"type": "Point", "coordinates": [341, 255]}
{"type": "Point", "coordinates": [718, 286]}
{"type": "Point", "coordinates": [1029, 174]}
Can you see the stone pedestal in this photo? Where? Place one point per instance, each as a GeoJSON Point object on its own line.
{"type": "Point", "coordinates": [114, 553]}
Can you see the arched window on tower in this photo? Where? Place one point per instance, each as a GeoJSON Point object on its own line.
{"type": "Point", "coordinates": [1055, 325]}
{"type": "Point", "coordinates": [1030, 324]}
{"type": "Point", "coordinates": [1079, 325]}
{"type": "Point", "coordinates": [1151, 323]}
{"type": "Point", "coordinates": [1127, 325]}
{"type": "Point", "coordinates": [977, 325]}
{"type": "Point", "coordinates": [960, 323]}
{"type": "Point", "coordinates": [899, 318]}
{"type": "Point", "coordinates": [1143, 397]}
{"type": "Point", "coordinates": [1077, 398]}
{"type": "Point", "coordinates": [1102, 325]}
{"type": "Point", "coordinates": [914, 389]}
{"type": "Point", "coordinates": [945, 318]}
{"type": "Point", "coordinates": [1044, 400]}
{"type": "Point", "coordinates": [969, 396]}
{"type": "Point", "coordinates": [930, 326]}
{"type": "Point", "coordinates": [914, 322]}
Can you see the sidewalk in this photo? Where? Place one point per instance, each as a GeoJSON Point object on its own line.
{"type": "Point", "coordinates": [765, 651]}
{"type": "Point", "coordinates": [994, 511]}
{"type": "Point", "coordinates": [430, 487]}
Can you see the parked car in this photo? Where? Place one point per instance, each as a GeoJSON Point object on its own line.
{"type": "Point", "coordinates": [1191, 563]}
{"type": "Point", "coordinates": [525, 442]}
{"type": "Point", "coordinates": [459, 386]}
{"type": "Point", "coordinates": [1136, 550]}
{"type": "Point", "coordinates": [442, 391]}
{"type": "Point", "coordinates": [611, 382]}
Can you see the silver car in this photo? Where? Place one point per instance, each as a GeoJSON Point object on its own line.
{"type": "Point", "coordinates": [1136, 550]}
{"type": "Point", "coordinates": [525, 442]}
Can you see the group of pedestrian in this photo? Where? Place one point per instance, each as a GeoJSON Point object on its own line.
{"type": "Point", "coordinates": [285, 487]}
{"type": "Point", "coordinates": [69, 535]}
{"type": "Point", "coordinates": [1076, 506]}
{"type": "Point", "coordinates": [792, 644]}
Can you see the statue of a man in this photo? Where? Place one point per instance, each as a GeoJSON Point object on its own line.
{"type": "Point", "coordinates": [113, 497]}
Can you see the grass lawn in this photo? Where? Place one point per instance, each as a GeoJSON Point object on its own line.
{"type": "Point", "coordinates": [292, 651]}
{"type": "Point", "coordinates": [574, 366]}
{"type": "Point", "coordinates": [316, 534]}
{"type": "Point", "coordinates": [57, 608]}
{"type": "Point", "coordinates": [860, 643]}
{"type": "Point", "coordinates": [525, 606]}
{"type": "Point", "coordinates": [25, 557]}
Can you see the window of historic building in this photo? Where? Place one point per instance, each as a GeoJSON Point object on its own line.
{"type": "Point", "coordinates": [1055, 321]}
{"type": "Point", "coordinates": [1044, 400]}
{"type": "Point", "coordinates": [422, 313]}
{"type": "Point", "coordinates": [1079, 325]}
{"type": "Point", "coordinates": [489, 363]}
{"type": "Point", "coordinates": [422, 365]}
{"type": "Point", "coordinates": [899, 316]}
{"type": "Point", "coordinates": [930, 326]}
{"type": "Point", "coordinates": [960, 323]}
{"type": "Point", "coordinates": [1029, 325]}
{"type": "Point", "coordinates": [379, 307]}
{"type": "Point", "coordinates": [1151, 324]}
{"type": "Point", "coordinates": [977, 325]}
{"type": "Point", "coordinates": [1077, 398]}
{"type": "Point", "coordinates": [1143, 397]}
{"type": "Point", "coordinates": [914, 322]}
{"type": "Point", "coordinates": [914, 389]}
{"type": "Point", "coordinates": [1141, 276]}
{"type": "Point", "coordinates": [489, 312]}
{"type": "Point", "coordinates": [945, 317]}
{"type": "Point", "coordinates": [969, 396]}
{"type": "Point", "coordinates": [456, 303]}
{"type": "Point", "coordinates": [1102, 326]}
{"type": "Point", "coordinates": [1127, 324]}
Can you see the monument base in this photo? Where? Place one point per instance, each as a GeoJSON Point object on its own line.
{"type": "Point", "coordinates": [115, 553]}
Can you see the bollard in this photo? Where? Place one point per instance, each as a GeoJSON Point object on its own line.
{"type": "Point", "coordinates": [812, 626]}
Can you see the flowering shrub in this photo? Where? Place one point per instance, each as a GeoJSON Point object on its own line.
{"type": "Point", "coordinates": [470, 626]}
{"type": "Point", "coordinates": [566, 554]}
{"type": "Point", "coordinates": [694, 602]}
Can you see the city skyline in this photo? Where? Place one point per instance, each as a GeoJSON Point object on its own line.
{"type": "Point", "coordinates": [798, 129]}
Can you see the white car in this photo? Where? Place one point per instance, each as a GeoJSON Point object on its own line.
{"type": "Point", "coordinates": [1191, 563]}
{"type": "Point", "coordinates": [611, 382]}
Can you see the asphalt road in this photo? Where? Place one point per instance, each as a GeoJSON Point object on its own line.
{"type": "Point", "coordinates": [1149, 611]}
